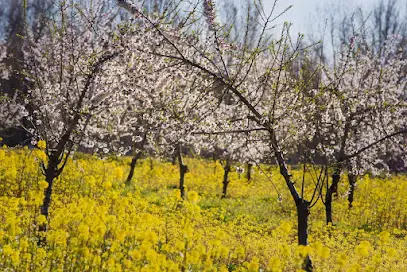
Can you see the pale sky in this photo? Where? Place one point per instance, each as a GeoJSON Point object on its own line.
{"type": "Point", "coordinates": [307, 14]}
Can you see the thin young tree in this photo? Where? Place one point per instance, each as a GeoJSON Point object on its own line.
{"type": "Point", "coordinates": [67, 85]}
{"type": "Point", "coordinates": [358, 110]}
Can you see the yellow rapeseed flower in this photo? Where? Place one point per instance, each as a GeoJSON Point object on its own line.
{"type": "Point", "coordinates": [43, 184]}
{"type": "Point", "coordinates": [15, 258]}
{"type": "Point", "coordinates": [42, 144]}
{"type": "Point", "coordinates": [24, 244]}
{"type": "Point", "coordinates": [391, 252]}
{"type": "Point", "coordinates": [7, 250]}
{"type": "Point", "coordinates": [41, 219]}
{"type": "Point", "coordinates": [107, 185]}
{"type": "Point", "coordinates": [274, 264]}
{"type": "Point", "coordinates": [2, 234]}
{"type": "Point", "coordinates": [384, 236]}
{"type": "Point", "coordinates": [325, 253]}
{"type": "Point", "coordinates": [253, 266]}
{"type": "Point", "coordinates": [135, 254]}
{"type": "Point", "coordinates": [363, 249]}
{"type": "Point", "coordinates": [286, 227]}
{"type": "Point", "coordinates": [118, 173]}
{"type": "Point", "coordinates": [223, 268]}
{"type": "Point", "coordinates": [193, 196]}
{"type": "Point", "coordinates": [303, 251]}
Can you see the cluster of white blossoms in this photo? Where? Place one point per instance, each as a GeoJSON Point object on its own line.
{"type": "Point", "coordinates": [154, 83]}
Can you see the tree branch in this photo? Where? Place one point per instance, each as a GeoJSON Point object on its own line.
{"type": "Point", "coordinates": [228, 131]}
{"type": "Point", "coordinates": [404, 131]}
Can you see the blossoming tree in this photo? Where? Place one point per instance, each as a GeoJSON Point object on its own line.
{"type": "Point", "coordinates": [359, 113]}
{"type": "Point", "coordinates": [68, 85]}
{"type": "Point", "coordinates": [257, 78]}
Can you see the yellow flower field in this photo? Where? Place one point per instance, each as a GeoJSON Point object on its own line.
{"type": "Point", "coordinates": [98, 224]}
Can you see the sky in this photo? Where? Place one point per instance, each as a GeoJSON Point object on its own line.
{"type": "Point", "coordinates": [306, 15]}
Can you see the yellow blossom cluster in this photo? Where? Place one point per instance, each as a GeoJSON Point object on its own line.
{"type": "Point", "coordinates": [96, 223]}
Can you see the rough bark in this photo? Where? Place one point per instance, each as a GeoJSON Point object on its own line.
{"type": "Point", "coordinates": [302, 219]}
{"type": "Point", "coordinates": [51, 172]}
{"type": "Point", "coordinates": [249, 172]}
{"type": "Point", "coordinates": [226, 171]}
{"type": "Point", "coordinates": [136, 157]}
{"type": "Point", "coordinates": [132, 167]}
{"type": "Point", "coordinates": [151, 164]}
{"type": "Point", "coordinates": [303, 207]}
{"type": "Point", "coordinates": [352, 183]}
{"type": "Point", "coordinates": [333, 189]}
{"type": "Point", "coordinates": [183, 169]}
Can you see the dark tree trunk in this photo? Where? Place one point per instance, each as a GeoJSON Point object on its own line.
{"type": "Point", "coordinates": [151, 164]}
{"type": "Point", "coordinates": [352, 183]}
{"type": "Point", "coordinates": [51, 172]}
{"type": "Point", "coordinates": [183, 169]}
{"type": "Point", "coordinates": [303, 207]}
{"type": "Point", "coordinates": [249, 172]}
{"type": "Point", "coordinates": [333, 189]}
{"type": "Point", "coordinates": [137, 156]}
{"type": "Point", "coordinates": [132, 167]}
{"type": "Point", "coordinates": [226, 178]}
{"type": "Point", "coordinates": [302, 219]}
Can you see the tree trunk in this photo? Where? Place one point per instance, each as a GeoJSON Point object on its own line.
{"type": "Point", "coordinates": [226, 178]}
{"type": "Point", "coordinates": [352, 183]}
{"type": "Point", "coordinates": [52, 171]}
{"type": "Point", "coordinates": [183, 169]}
{"type": "Point", "coordinates": [132, 167]}
{"type": "Point", "coordinates": [50, 174]}
{"type": "Point", "coordinates": [138, 146]}
{"type": "Point", "coordinates": [303, 207]}
{"type": "Point", "coordinates": [249, 172]}
{"type": "Point", "coordinates": [302, 219]}
{"type": "Point", "coordinates": [151, 163]}
{"type": "Point", "coordinates": [333, 189]}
